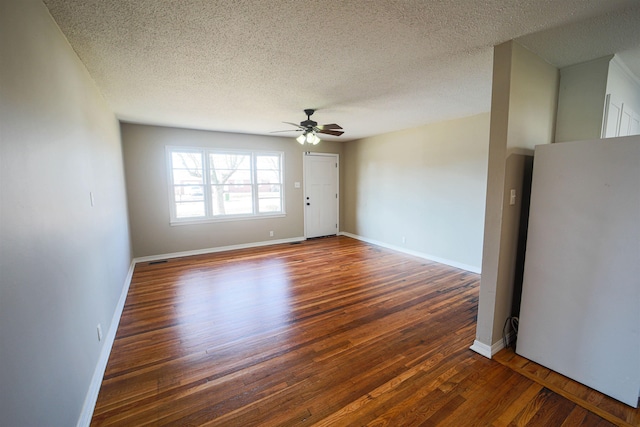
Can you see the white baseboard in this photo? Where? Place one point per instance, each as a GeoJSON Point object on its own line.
{"type": "Point", "coordinates": [486, 350]}
{"type": "Point", "coordinates": [470, 268]}
{"type": "Point", "coordinates": [217, 249]}
{"type": "Point", "coordinates": [96, 380]}
{"type": "Point", "coordinates": [482, 349]}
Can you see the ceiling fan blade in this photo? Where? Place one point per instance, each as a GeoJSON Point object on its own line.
{"type": "Point", "coordinates": [330, 126]}
{"type": "Point", "coordinates": [294, 124]}
{"type": "Point", "coordinates": [288, 130]}
{"type": "Point", "coordinates": [331, 132]}
{"type": "Point", "coordinates": [309, 125]}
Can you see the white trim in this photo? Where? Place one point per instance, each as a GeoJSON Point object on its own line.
{"type": "Point", "coordinates": [470, 268]}
{"type": "Point", "coordinates": [91, 397]}
{"type": "Point", "coordinates": [217, 249]}
{"type": "Point", "coordinates": [485, 350]}
{"type": "Point", "coordinates": [482, 349]}
{"type": "Point", "coordinates": [317, 153]}
{"type": "Point", "coordinates": [225, 218]}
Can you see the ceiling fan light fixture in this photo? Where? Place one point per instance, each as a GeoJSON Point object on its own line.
{"type": "Point", "coordinates": [309, 137]}
{"type": "Point", "coordinates": [310, 129]}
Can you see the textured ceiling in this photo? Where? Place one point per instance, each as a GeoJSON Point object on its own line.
{"type": "Point", "coordinates": [372, 66]}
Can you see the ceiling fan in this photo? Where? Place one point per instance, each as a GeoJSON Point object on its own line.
{"type": "Point", "coordinates": [310, 129]}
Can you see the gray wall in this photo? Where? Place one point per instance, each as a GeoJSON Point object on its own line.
{"type": "Point", "coordinates": [425, 184]}
{"type": "Point", "coordinates": [523, 111]}
{"type": "Point", "coordinates": [147, 189]}
{"type": "Point", "coordinates": [582, 95]}
{"type": "Point", "coordinates": [582, 92]}
{"type": "Point", "coordinates": [63, 263]}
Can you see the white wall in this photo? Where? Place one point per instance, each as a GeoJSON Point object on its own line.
{"type": "Point", "coordinates": [63, 263]}
{"type": "Point", "coordinates": [148, 194]}
{"type": "Point", "coordinates": [623, 91]}
{"type": "Point", "coordinates": [425, 184]}
{"type": "Point", "coordinates": [581, 298]}
{"type": "Point", "coordinates": [623, 84]}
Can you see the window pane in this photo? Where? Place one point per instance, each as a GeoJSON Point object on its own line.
{"type": "Point", "coordinates": [224, 183]}
{"type": "Point", "coordinates": [230, 161]}
{"type": "Point", "coordinates": [232, 199]}
{"type": "Point", "coordinates": [269, 190]}
{"type": "Point", "coordinates": [230, 176]}
{"type": "Point", "coordinates": [191, 160]}
{"type": "Point", "coordinates": [267, 176]}
{"type": "Point", "coordinates": [268, 162]}
{"type": "Point", "coordinates": [270, 198]}
{"type": "Point", "coordinates": [189, 193]}
{"type": "Point", "coordinates": [189, 209]}
{"type": "Point", "coordinates": [183, 176]}
{"type": "Point", "coordinates": [186, 168]}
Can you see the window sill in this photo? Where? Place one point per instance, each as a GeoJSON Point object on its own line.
{"type": "Point", "coordinates": [178, 222]}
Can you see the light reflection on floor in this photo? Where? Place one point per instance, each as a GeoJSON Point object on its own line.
{"type": "Point", "coordinates": [227, 303]}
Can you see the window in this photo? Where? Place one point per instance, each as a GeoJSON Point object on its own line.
{"type": "Point", "coordinates": [211, 184]}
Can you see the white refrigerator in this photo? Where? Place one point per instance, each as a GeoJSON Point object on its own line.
{"type": "Point", "coordinates": [580, 307]}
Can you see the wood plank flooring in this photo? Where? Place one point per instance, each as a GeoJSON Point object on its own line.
{"type": "Point", "coordinates": [598, 403]}
{"type": "Point", "coordinates": [328, 332]}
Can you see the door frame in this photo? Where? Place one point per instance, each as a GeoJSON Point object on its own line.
{"type": "Point", "coordinates": [306, 154]}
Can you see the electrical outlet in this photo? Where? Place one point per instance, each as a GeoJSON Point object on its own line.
{"type": "Point", "coordinates": [271, 234]}
{"type": "Point", "coordinates": [99, 332]}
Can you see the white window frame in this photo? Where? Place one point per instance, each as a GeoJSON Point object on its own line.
{"type": "Point", "coordinates": [208, 202]}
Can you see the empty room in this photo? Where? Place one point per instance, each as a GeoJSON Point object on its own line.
{"type": "Point", "coordinates": [270, 213]}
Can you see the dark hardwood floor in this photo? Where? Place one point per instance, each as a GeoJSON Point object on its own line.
{"type": "Point", "coordinates": [328, 332]}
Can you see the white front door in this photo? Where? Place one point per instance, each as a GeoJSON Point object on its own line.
{"type": "Point", "coordinates": [320, 194]}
